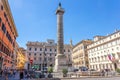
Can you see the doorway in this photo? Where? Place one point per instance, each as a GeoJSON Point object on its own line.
{"type": "Point", "coordinates": [115, 66]}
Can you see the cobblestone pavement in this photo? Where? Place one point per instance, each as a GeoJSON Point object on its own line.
{"type": "Point", "coordinates": [11, 78]}
{"type": "Point", "coordinates": [98, 78]}
{"type": "Point", "coordinates": [81, 78]}
{"type": "Point", "coordinates": [110, 78]}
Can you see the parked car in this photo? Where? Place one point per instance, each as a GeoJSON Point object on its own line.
{"type": "Point", "coordinates": [83, 68]}
{"type": "Point", "coordinates": [39, 74]}
{"type": "Point", "coordinates": [75, 70]}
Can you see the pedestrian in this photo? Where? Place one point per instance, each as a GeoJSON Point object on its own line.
{"type": "Point", "coordinates": [6, 74]}
{"type": "Point", "coordinates": [21, 74]}
{"type": "Point", "coordinates": [25, 72]}
{"type": "Point", "coordinates": [113, 72]}
{"type": "Point", "coordinates": [103, 73]}
{"type": "Point", "coordinates": [1, 72]}
{"type": "Point", "coordinates": [14, 73]}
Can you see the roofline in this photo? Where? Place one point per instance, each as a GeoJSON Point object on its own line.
{"type": "Point", "coordinates": [98, 36]}
{"type": "Point", "coordinates": [8, 10]}
{"type": "Point", "coordinates": [107, 36]}
{"type": "Point", "coordinates": [81, 42]}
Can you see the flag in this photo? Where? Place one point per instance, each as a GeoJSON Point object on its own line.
{"type": "Point", "coordinates": [111, 57]}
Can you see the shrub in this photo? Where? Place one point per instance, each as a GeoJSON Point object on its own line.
{"type": "Point", "coordinates": [118, 70]}
{"type": "Point", "coordinates": [50, 69]}
{"type": "Point", "coordinates": [65, 71]}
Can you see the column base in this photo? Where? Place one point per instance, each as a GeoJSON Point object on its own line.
{"type": "Point", "coordinates": [60, 63]}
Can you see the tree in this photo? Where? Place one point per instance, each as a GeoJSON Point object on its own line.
{"type": "Point", "coordinates": [65, 71]}
{"type": "Point", "coordinates": [50, 69]}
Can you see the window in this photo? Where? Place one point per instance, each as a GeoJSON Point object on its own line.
{"type": "Point", "coordinates": [50, 49]}
{"type": "Point", "coordinates": [55, 50]}
{"type": "Point", "coordinates": [5, 15]}
{"type": "Point", "coordinates": [35, 49]}
{"type": "Point", "coordinates": [34, 58]}
{"type": "Point", "coordinates": [45, 54]}
{"type": "Point", "coordinates": [3, 28]}
{"type": "Point", "coordinates": [29, 59]}
{"type": "Point", "coordinates": [40, 54]}
{"type": "Point", "coordinates": [112, 49]}
{"type": "Point", "coordinates": [50, 42]}
{"type": "Point", "coordinates": [50, 59]}
{"type": "Point", "coordinates": [64, 50]}
{"type": "Point", "coordinates": [1, 7]}
{"type": "Point", "coordinates": [0, 20]}
{"type": "Point", "coordinates": [40, 49]}
{"type": "Point", "coordinates": [45, 49]}
{"type": "Point", "coordinates": [50, 54]}
{"type": "Point", "coordinates": [29, 49]}
{"type": "Point", "coordinates": [29, 54]}
{"type": "Point", "coordinates": [85, 47]}
{"type": "Point", "coordinates": [68, 50]}
{"type": "Point", "coordinates": [9, 37]}
{"type": "Point", "coordinates": [45, 59]}
{"type": "Point", "coordinates": [35, 54]}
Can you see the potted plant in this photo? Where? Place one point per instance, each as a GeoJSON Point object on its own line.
{"type": "Point", "coordinates": [64, 71]}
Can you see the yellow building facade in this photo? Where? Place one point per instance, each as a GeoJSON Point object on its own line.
{"type": "Point", "coordinates": [20, 57]}
{"type": "Point", "coordinates": [79, 55]}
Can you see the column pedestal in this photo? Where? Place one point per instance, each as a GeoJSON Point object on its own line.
{"type": "Point", "coordinates": [60, 63]}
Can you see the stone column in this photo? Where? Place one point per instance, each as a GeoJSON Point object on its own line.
{"type": "Point", "coordinates": [60, 59]}
{"type": "Point", "coordinates": [60, 43]}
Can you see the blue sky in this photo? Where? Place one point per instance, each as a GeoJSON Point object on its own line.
{"type": "Point", "coordinates": [36, 19]}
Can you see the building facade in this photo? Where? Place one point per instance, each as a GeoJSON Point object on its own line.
{"type": "Point", "coordinates": [104, 52]}
{"type": "Point", "coordinates": [20, 59]}
{"type": "Point", "coordinates": [8, 34]}
{"type": "Point", "coordinates": [43, 54]}
{"type": "Point", "coordinates": [80, 55]}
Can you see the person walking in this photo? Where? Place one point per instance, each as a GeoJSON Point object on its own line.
{"type": "Point", "coordinates": [1, 72]}
{"type": "Point", "coordinates": [6, 74]}
{"type": "Point", "coordinates": [14, 73]}
{"type": "Point", "coordinates": [21, 75]}
{"type": "Point", "coordinates": [103, 73]}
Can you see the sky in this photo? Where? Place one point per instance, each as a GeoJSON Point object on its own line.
{"type": "Point", "coordinates": [36, 20]}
